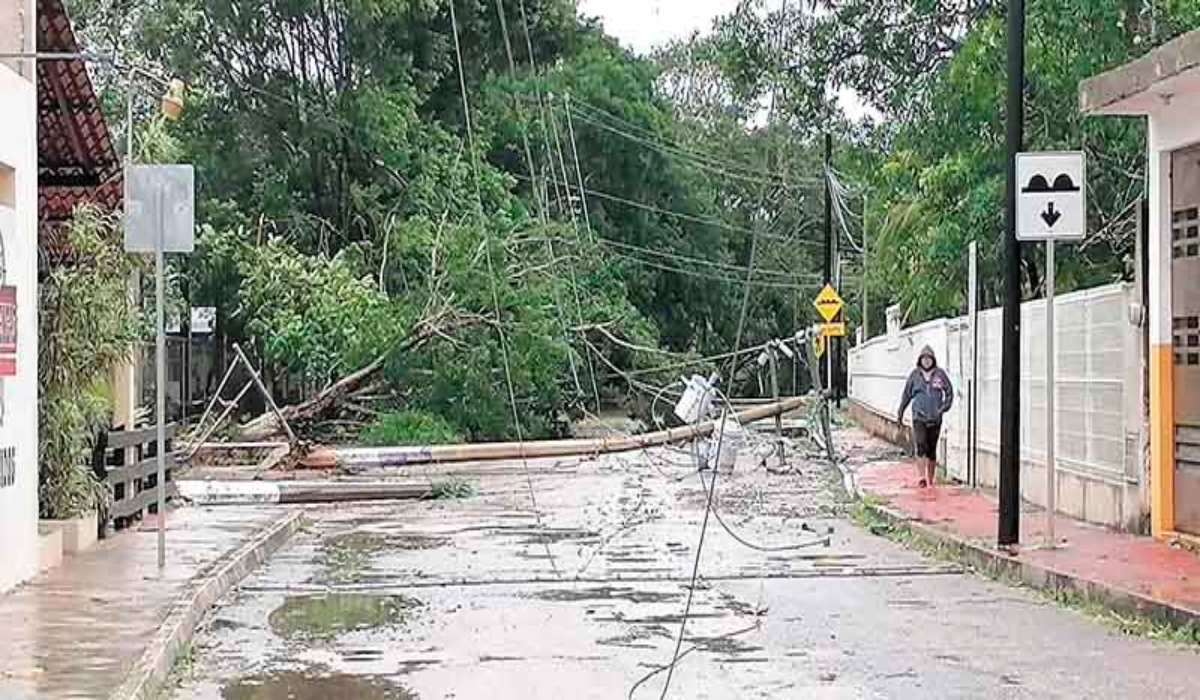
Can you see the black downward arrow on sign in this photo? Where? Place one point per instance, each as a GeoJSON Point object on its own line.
{"type": "Point", "coordinates": [1050, 216]}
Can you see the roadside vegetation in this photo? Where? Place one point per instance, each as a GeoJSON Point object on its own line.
{"type": "Point", "coordinates": [85, 326]}
{"type": "Point", "coordinates": [408, 428]}
{"type": "Point", "coordinates": [358, 240]}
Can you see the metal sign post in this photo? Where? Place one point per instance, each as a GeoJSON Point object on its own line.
{"type": "Point", "coordinates": [1051, 496]}
{"type": "Point", "coordinates": [160, 219]}
{"type": "Point", "coordinates": [160, 382]}
{"type": "Point", "coordinates": [829, 304]}
{"type": "Point", "coordinates": [1051, 206]}
{"type": "Point", "coordinates": [972, 378]}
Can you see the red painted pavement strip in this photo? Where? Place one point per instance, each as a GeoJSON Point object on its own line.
{"type": "Point", "coordinates": [1122, 561]}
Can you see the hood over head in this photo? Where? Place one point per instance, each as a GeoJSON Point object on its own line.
{"type": "Point", "coordinates": [927, 352]}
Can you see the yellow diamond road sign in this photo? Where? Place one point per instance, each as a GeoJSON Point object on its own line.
{"type": "Point", "coordinates": [828, 303]}
{"type": "Point", "coordinates": [819, 345]}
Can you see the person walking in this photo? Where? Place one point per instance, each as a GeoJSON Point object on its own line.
{"type": "Point", "coordinates": [929, 392]}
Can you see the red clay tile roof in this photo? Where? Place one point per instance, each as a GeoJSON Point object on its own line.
{"type": "Point", "coordinates": [76, 158]}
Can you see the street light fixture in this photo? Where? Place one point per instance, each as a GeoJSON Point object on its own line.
{"type": "Point", "coordinates": [172, 100]}
{"type": "Point", "coordinates": [170, 103]}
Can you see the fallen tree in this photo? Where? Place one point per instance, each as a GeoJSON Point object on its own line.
{"type": "Point", "coordinates": [354, 386]}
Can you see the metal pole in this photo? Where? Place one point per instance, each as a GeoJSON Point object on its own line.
{"type": "Point", "coordinates": [1008, 531]}
{"type": "Point", "coordinates": [828, 212]}
{"type": "Point", "coordinates": [266, 394]}
{"type": "Point", "coordinates": [828, 224]}
{"type": "Point", "coordinates": [130, 385]}
{"type": "Point", "coordinates": [973, 376]}
{"type": "Point", "coordinates": [775, 397]}
{"type": "Point", "coordinates": [160, 385]}
{"type": "Point", "coordinates": [866, 249]}
{"type": "Point", "coordinates": [216, 396]}
{"type": "Point", "coordinates": [199, 442]}
{"type": "Point", "coordinates": [186, 389]}
{"type": "Point", "coordinates": [796, 359]}
{"type": "Point", "coordinates": [129, 119]}
{"type": "Point", "coordinates": [54, 56]}
{"type": "Point", "coordinates": [1050, 437]}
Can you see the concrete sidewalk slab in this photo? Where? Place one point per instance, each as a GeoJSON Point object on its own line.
{"type": "Point", "coordinates": [1129, 573]}
{"type": "Point", "coordinates": [86, 628]}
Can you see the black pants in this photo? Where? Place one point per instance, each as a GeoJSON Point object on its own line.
{"type": "Point", "coordinates": [925, 438]}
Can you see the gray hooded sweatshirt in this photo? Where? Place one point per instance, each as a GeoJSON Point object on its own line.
{"type": "Point", "coordinates": [930, 398]}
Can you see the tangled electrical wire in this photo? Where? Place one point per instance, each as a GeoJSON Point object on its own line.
{"type": "Point", "coordinates": [702, 462]}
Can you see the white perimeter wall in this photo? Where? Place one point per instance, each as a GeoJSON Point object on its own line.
{"type": "Point", "coordinates": [1098, 384]}
{"type": "Point", "coordinates": [18, 227]}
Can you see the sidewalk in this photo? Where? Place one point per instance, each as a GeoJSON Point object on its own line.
{"type": "Point", "coordinates": [1129, 573]}
{"type": "Point", "coordinates": [108, 620]}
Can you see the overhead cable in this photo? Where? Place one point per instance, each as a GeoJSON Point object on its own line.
{"type": "Point", "coordinates": [772, 284]}
{"type": "Point", "coordinates": [671, 152]}
{"type": "Point", "coordinates": [715, 161]}
{"type": "Point", "coordinates": [701, 261]}
{"type": "Point", "coordinates": [715, 223]}
{"type": "Point", "coordinates": [508, 380]}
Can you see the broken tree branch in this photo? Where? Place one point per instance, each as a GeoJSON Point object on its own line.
{"type": "Point", "coordinates": [325, 403]}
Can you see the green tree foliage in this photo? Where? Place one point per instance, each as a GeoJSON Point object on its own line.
{"type": "Point", "coordinates": [85, 327]}
{"type": "Point", "coordinates": [347, 207]}
{"type": "Point", "coordinates": [931, 158]}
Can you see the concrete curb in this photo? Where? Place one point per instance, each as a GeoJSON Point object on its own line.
{"type": "Point", "coordinates": [1001, 565]}
{"type": "Point", "coordinates": [202, 592]}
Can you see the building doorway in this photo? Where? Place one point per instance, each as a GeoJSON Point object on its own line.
{"type": "Point", "coordinates": [1185, 330]}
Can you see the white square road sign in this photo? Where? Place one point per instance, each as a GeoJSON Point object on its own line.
{"type": "Point", "coordinates": [159, 201]}
{"type": "Point", "coordinates": [1051, 196]}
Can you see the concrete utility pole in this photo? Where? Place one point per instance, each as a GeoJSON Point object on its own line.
{"type": "Point", "coordinates": [1009, 528]}
{"type": "Point", "coordinates": [866, 249]}
{"type": "Point", "coordinates": [774, 360]}
{"type": "Point", "coordinates": [831, 349]}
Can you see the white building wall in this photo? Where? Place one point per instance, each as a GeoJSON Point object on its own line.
{"type": "Point", "coordinates": [1098, 391]}
{"type": "Point", "coordinates": [18, 229]}
{"type": "Point", "coordinates": [17, 19]}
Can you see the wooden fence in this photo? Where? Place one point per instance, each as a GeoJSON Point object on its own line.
{"type": "Point", "coordinates": [132, 472]}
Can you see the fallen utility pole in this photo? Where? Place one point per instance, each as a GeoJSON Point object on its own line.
{"type": "Point", "coordinates": [219, 493]}
{"type": "Point", "coordinates": [368, 457]}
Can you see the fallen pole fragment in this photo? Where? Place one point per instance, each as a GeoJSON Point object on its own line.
{"type": "Point", "coordinates": [214, 493]}
{"type": "Point", "coordinates": [374, 457]}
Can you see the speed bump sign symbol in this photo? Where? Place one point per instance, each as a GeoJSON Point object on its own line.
{"type": "Point", "coordinates": [828, 303]}
{"type": "Point", "coordinates": [1051, 196]}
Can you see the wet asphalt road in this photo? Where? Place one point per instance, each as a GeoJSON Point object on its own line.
{"type": "Point", "coordinates": [473, 598]}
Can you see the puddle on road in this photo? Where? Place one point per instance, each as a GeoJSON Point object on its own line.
{"type": "Point", "coordinates": [323, 617]}
{"type": "Point", "coordinates": [347, 556]}
{"type": "Point", "coordinates": [306, 685]}
{"type": "Point", "coordinates": [344, 557]}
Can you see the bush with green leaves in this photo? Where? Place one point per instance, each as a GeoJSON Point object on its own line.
{"type": "Point", "coordinates": [316, 315]}
{"type": "Point", "coordinates": [86, 326]}
{"type": "Point", "coordinates": [396, 428]}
